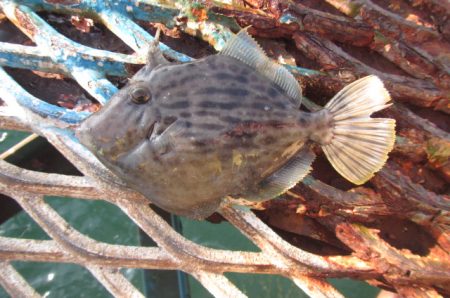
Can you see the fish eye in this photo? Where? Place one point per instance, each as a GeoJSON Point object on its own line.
{"type": "Point", "coordinates": [140, 95]}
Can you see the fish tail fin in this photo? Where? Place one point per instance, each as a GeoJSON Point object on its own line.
{"type": "Point", "coordinates": [360, 145]}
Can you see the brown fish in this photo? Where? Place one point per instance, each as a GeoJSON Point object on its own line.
{"type": "Point", "coordinates": [188, 135]}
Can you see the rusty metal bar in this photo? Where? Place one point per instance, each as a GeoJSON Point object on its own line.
{"type": "Point", "coordinates": [14, 283]}
{"type": "Point", "coordinates": [115, 256]}
{"type": "Point", "coordinates": [115, 282]}
{"type": "Point", "coordinates": [218, 285]}
{"type": "Point", "coordinates": [317, 288]}
{"type": "Point", "coordinates": [47, 184]}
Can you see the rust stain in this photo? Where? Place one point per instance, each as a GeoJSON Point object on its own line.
{"type": "Point", "coordinates": [200, 14]}
{"type": "Point", "coordinates": [24, 21]}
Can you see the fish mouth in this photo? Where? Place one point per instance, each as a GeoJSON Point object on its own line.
{"type": "Point", "coordinates": [150, 131]}
{"type": "Point", "coordinates": [157, 128]}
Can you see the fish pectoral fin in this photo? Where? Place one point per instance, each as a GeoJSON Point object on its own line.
{"type": "Point", "coordinates": [286, 177]}
{"type": "Point", "coordinates": [245, 49]}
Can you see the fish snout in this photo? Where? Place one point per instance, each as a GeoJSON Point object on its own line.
{"type": "Point", "coordinates": [94, 134]}
{"type": "Point", "coordinates": [84, 135]}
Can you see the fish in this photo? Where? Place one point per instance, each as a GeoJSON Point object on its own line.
{"type": "Point", "coordinates": [188, 135]}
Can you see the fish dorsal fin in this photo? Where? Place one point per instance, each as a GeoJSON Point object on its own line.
{"type": "Point", "coordinates": [245, 49]}
{"type": "Point", "coordinates": [284, 178]}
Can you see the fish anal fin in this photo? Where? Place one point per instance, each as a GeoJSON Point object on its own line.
{"type": "Point", "coordinates": [284, 178]}
{"type": "Point", "coordinates": [245, 49]}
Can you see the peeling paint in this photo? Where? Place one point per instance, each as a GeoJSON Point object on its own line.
{"type": "Point", "coordinates": [24, 23]}
{"type": "Point", "coordinates": [64, 2]}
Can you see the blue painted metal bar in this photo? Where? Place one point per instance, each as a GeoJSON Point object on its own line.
{"type": "Point", "coordinates": [134, 36]}
{"type": "Point", "coordinates": [157, 11]}
{"type": "Point", "coordinates": [31, 58]}
{"type": "Point", "coordinates": [13, 94]}
{"type": "Point", "coordinates": [95, 83]}
{"type": "Point", "coordinates": [79, 7]}
{"type": "Point", "coordinates": [26, 57]}
{"type": "Point", "coordinates": [60, 48]}
{"type": "Point", "coordinates": [63, 51]}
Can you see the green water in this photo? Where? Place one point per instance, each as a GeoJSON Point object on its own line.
{"type": "Point", "coordinates": [105, 222]}
{"type": "Point", "coordinates": [97, 219]}
{"type": "Point", "coordinates": [8, 138]}
{"type": "Point", "coordinates": [226, 236]}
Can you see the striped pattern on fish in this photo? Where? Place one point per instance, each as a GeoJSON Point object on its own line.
{"type": "Point", "coordinates": [188, 135]}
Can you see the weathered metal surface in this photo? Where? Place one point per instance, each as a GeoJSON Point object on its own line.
{"type": "Point", "coordinates": [17, 98]}
{"type": "Point", "coordinates": [14, 283]}
{"type": "Point", "coordinates": [408, 193]}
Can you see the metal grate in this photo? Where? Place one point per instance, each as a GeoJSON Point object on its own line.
{"type": "Point", "coordinates": [373, 259]}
